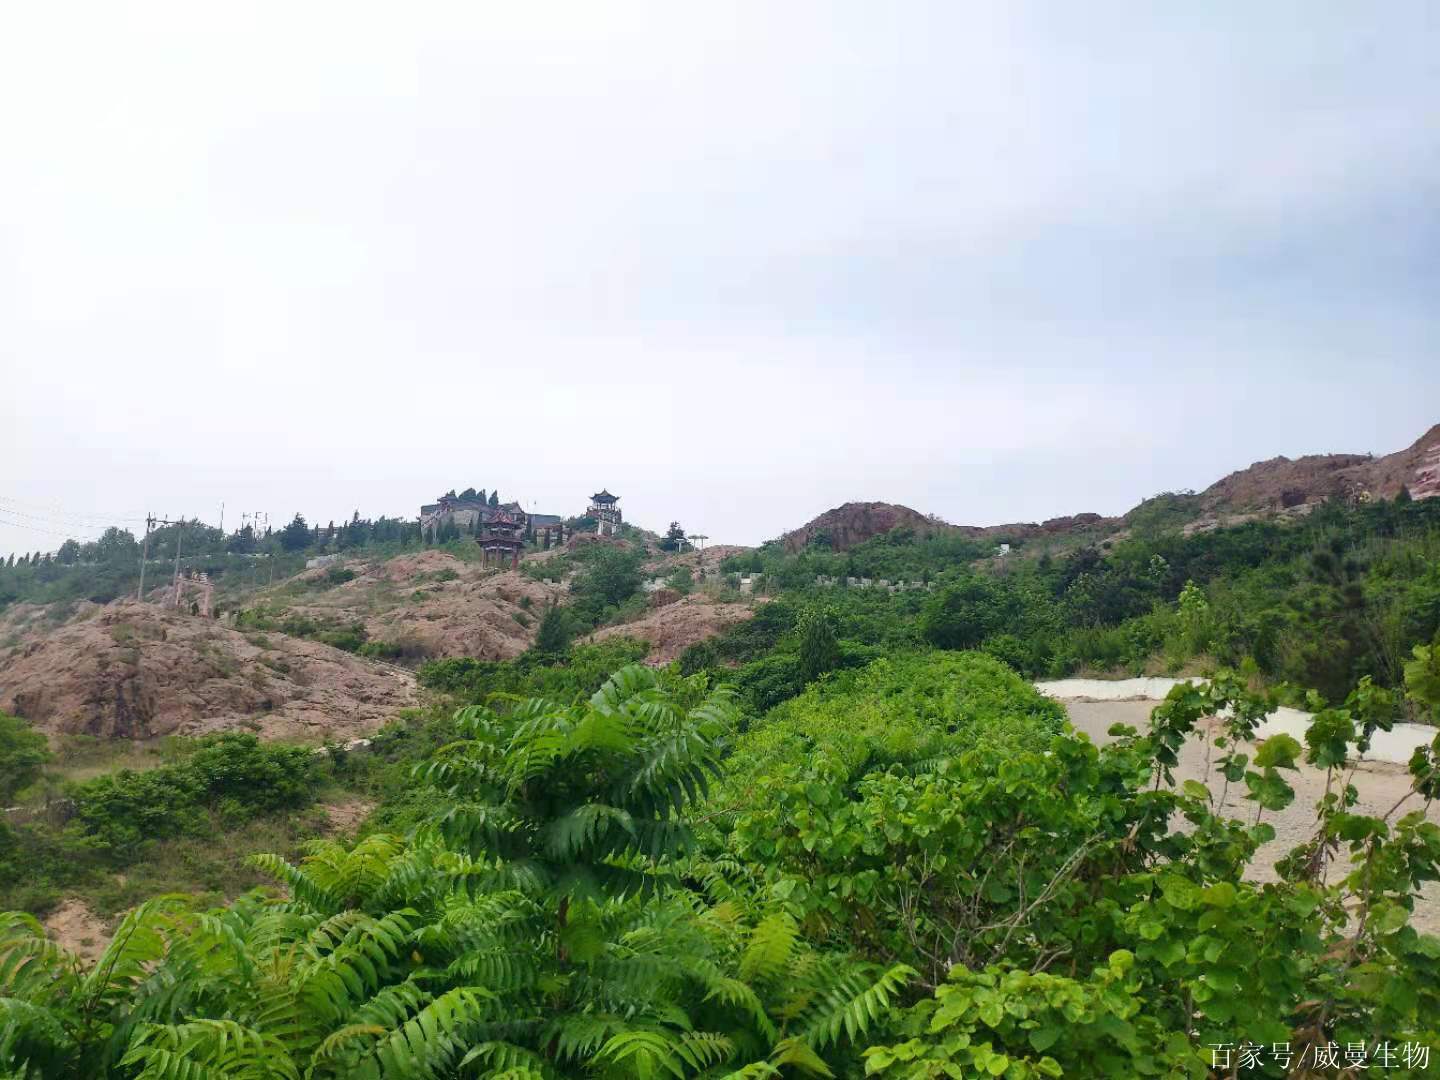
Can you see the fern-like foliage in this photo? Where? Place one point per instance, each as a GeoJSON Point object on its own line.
{"type": "Point", "coordinates": [547, 924]}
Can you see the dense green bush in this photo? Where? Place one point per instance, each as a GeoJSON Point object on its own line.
{"type": "Point", "coordinates": [338, 633]}
{"type": "Point", "coordinates": [233, 775]}
{"type": "Point", "coordinates": [23, 755]}
{"type": "Point", "coordinates": [899, 710]}
{"type": "Point", "coordinates": [911, 869]}
{"type": "Point", "coordinates": [578, 673]}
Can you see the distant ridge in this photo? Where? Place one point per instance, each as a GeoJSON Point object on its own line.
{"type": "Point", "coordinates": [1272, 486]}
{"type": "Point", "coordinates": [1281, 483]}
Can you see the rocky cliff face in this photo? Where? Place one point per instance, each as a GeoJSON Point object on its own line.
{"type": "Point", "coordinates": [436, 604]}
{"type": "Point", "coordinates": [847, 526]}
{"type": "Point", "coordinates": [138, 671]}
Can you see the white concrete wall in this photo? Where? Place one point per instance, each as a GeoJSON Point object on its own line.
{"type": "Point", "coordinates": [1394, 746]}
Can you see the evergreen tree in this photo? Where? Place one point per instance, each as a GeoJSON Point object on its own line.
{"type": "Point", "coordinates": [494, 498]}
{"type": "Point", "coordinates": [296, 535]}
{"type": "Point", "coordinates": [674, 538]}
{"type": "Point", "coordinates": [555, 631]}
{"type": "Point", "coordinates": [819, 650]}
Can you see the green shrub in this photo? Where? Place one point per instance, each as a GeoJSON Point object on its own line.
{"type": "Point", "coordinates": [23, 756]}
{"type": "Point", "coordinates": [235, 772]}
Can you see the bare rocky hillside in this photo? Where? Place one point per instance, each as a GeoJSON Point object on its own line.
{"type": "Point", "coordinates": [138, 671]}
{"type": "Point", "coordinates": [672, 628]}
{"type": "Point", "coordinates": [430, 603]}
{"type": "Point", "coordinates": [1283, 483]}
{"type": "Point", "coordinates": [854, 523]}
{"type": "Point", "coordinates": [846, 526]}
{"type": "Point", "coordinates": [1274, 486]}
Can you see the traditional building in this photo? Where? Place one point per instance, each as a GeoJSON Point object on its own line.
{"type": "Point", "coordinates": [469, 513]}
{"type": "Point", "coordinates": [605, 509]}
{"type": "Point", "coordinates": [501, 537]}
{"type": "Point", "coordinates": [546, 530]}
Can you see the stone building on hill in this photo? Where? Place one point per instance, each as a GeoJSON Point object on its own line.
{"type": "Point", "coordinates": [468, 512]}
{"type": "Point", "coordinates": [472, 514]}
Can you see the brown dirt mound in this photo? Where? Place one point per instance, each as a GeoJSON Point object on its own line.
{"type": "Point", "coordinates": [434, 605]}
{"type": "Point", "coordinates": [139, 671]}
{"type": "Point", "coordinates": [853, 523]}
{"type": "Point", "coordinates": [672, 629]}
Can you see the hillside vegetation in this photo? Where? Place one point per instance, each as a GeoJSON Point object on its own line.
{"type": "Point", "coordinates": [911, 870]}
{"type": "Point", "coordinates": [839, 834]}
{"type": "Point", "coordinates": [1317, 601]}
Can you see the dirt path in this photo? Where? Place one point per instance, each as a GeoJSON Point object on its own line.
{"type": "Point", "coordinates": [78, 929]}
{"type": "Point", "coordinates": [1379, 786]}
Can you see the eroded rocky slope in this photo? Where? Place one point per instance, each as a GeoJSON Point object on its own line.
{"type": "Point", "coordinates": [139, 671]}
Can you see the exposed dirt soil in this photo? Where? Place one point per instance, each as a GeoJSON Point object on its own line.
{"type": "Point", "coordinates": [672, 629]}
{"type": "Point", "coordinates": [75, 927]}
{"type": "Point", "coordinates": [1379, 787]}
{"type": "Point", "coordinates": [347, 816]}
{"type": "Point", "coordinates": [138, 671]}
{"type": "Point", "coordinates": [665, 563]}
{"type": "Point", "coordinates": [435, 604]}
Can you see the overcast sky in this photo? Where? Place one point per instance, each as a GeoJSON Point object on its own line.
{"type": "Point", "coordinates": [738, 262]}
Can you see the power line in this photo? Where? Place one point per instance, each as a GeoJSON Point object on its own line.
{"type": "Point", "coordinates": [71, 534]}
{"type": "Point", "coordinates": [61, 522]}
{"type": "Point", "coordinates": [97, 517]}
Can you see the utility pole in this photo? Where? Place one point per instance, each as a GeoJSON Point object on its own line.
{"type": "Point", "coordinates": [144, 553]}
{"type": "Point", "coordinates": [222, 521]}
{"type": "Point", "coordinates": [179, 535]}
{"type": "Point", "coordinates": [150, 522]}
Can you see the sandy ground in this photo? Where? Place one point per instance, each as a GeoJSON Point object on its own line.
{"type": "Point", "coordinates": [78, 929]}
{"type": "Point", "coordinates": [1379, 786]}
